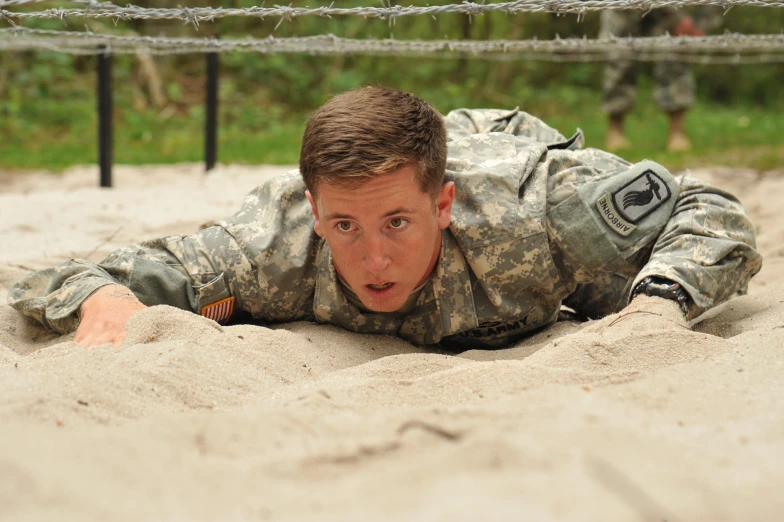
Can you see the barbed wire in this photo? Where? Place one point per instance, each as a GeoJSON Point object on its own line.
{"type": "Point", "coordinates": [195, 15]}
{"type": "Point", "coordinates": [6, 3]}
{"type": "Point", "coordinates": [724, 49]}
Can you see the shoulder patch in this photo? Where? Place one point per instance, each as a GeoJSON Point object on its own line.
{"type": "Point", "coordinates": [220, 312]}
{"type": "Point", "coordinates": [612, 217]}
{"type": "Point", "coordinates": [640, 196]}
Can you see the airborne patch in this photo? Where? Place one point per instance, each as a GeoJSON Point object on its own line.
{"type": "Point", "coordinates": [219, 312]}
{"type": "Point", "coordinates": [612, 217]}
{"type": "Point", "coordinates": [641, 196]}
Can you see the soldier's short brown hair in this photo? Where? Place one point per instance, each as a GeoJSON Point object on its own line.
{"type": "Point", "coordinates": [370, 131]}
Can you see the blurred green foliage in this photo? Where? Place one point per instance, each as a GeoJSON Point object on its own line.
{"type": "Point", "coordinates": [47, 102]}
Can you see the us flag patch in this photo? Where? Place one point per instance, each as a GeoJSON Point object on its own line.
{"type": "Point", "coordinates": [219, 312]}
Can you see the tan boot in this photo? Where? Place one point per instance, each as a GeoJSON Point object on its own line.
{"type": "Point", "coordinates": [677, 141]}
{"type": "Point", "coordinates": [616, 140]}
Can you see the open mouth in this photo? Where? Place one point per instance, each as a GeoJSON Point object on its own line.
{"type": "Point", "coordinates": [380, 287]}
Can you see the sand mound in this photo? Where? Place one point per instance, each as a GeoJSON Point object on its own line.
{"type": "Point", "coordinates": [189, 420]}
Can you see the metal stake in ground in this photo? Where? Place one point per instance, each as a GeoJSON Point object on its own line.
{"type": "Point", "coordinates": [211, 113]}
{"type": "Point", "coordinates": [105, 141]}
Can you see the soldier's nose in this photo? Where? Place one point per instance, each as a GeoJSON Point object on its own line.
{"type": "Point", "coordinates": [375, 259]}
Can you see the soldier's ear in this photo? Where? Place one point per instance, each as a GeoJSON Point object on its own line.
{"type": "Point", "coordinates": [314, 208]}
{"type": "Point", "coordinates": [444, 200]}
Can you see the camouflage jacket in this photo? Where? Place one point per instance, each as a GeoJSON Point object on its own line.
{"type": "Point", "coordinates": [537, 222]}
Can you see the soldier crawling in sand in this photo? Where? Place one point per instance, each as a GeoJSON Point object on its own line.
{"type": "Point", "coordinates": [468, 231]}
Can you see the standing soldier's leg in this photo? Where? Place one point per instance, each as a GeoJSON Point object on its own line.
{"type": "Point", "coordinates": [620, 76]}
{"type": "Point", "coordinates": [674, 94]}
{"type": "Point", "coordinates": [674, 83]}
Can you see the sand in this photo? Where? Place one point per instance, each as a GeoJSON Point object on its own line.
{"type": "Point", "coordinates": [189, 420]}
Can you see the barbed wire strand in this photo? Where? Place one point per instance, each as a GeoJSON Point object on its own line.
{"type": "Point", "coordinates": [723, 49]}
{"type": "Point", "coordinates": [196, 15]}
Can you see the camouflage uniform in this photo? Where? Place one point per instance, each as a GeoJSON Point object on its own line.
{"type": "Point", "coordinates": [674, 81]}
{"type": "Point", "coordinates": [536, 222]}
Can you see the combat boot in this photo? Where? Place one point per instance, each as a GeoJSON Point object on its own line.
{"type": "Point", "coordinates": [677, 140]}
{"type": "Point", "coordinates": [616, 139]}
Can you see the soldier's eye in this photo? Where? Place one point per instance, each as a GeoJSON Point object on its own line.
{"type": "Point", "coordinates": [398, 222]}
{"type": "Point", "coordinates": [344, 226]}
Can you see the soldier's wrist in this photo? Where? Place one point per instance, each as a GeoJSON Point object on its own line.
{"type": "Point", "coordinates": [664, 288]}
{"type": "Point", "coordinates": [110, 291]}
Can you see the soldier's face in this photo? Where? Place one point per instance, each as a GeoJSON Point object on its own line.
{"type": "Point", "coordinates": [385, 236]}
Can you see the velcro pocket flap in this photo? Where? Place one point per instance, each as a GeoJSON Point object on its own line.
{"type": "Point", "coordinates": [211, 292]}
{"type": "Point", "coordinates": [580, 238]}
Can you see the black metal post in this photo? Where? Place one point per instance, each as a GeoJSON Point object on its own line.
{"type": "Point", "coordinates": [105, 141]}
{"type": "Point", "coordinates": [211, 113]}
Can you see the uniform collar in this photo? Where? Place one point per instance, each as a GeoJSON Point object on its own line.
{"type": "Point", "coordinates": [452, 286]}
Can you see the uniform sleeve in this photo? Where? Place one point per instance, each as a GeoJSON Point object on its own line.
{"type": "Point", "coordinates": [612, 223]}
{"type": "Point", "coordinates": [707, 245]}
{"type": "Point", "coordinates": [465, 122]}
{"type": "Point", "coordinates": [188, 272]}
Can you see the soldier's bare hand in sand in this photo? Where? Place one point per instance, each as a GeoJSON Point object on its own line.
{"type": "Point", "coordinates": [104, 316]}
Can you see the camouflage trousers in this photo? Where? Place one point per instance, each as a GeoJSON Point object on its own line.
{"type": "Point", "coordinates": [674, 81]}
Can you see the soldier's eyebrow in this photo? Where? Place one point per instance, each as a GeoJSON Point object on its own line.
{"type": "Point", "coordinates": [399, 210]}
{"type": "Point", "coordinates": [332, 216]}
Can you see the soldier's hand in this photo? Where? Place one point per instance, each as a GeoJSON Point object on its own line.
{"type": "Point", "coordinates": [686, 27]}
{"type": "Point", "coordinates": [105, 314]}
{"type": "Point", "coordinates": [643, 313]}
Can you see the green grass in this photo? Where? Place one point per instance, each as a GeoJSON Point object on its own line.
{"type": "Point", "coordinates": [730, 136]}
{"type": "Point", "coordinates": [35, 139]}
{"type": "Point", "coordinates": [44, 132]}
